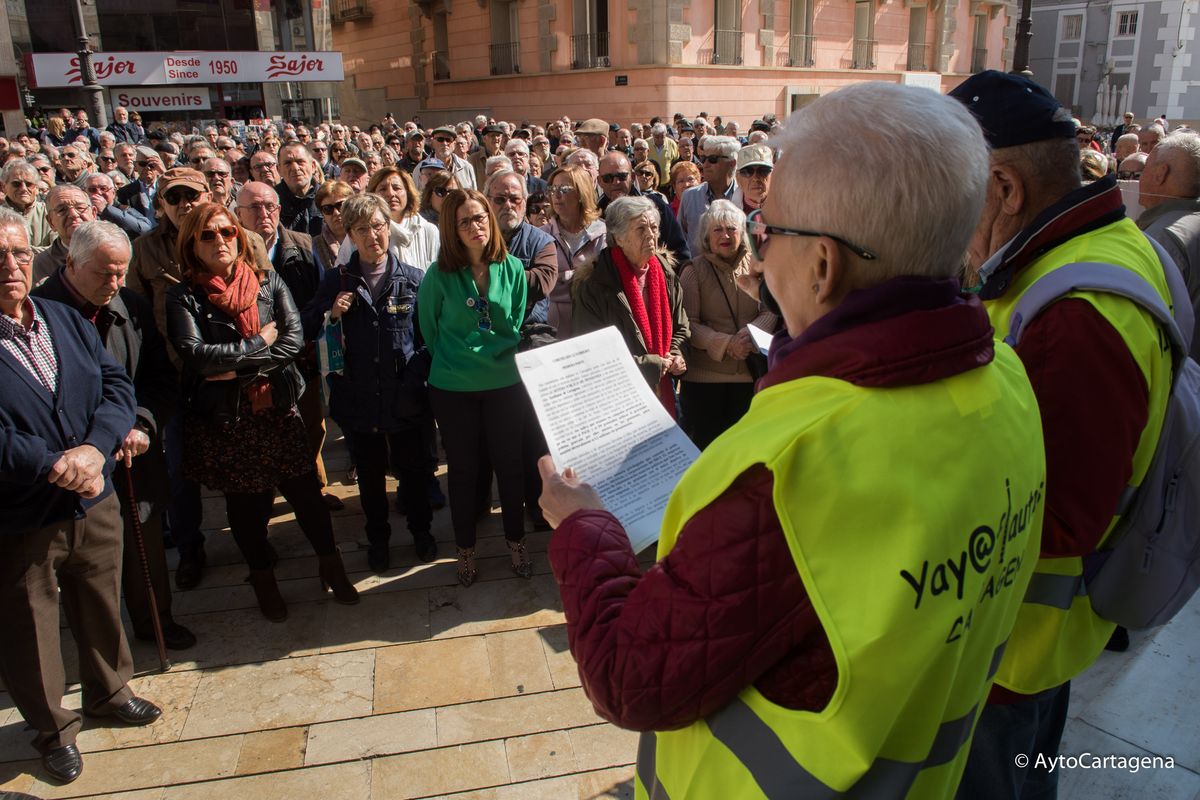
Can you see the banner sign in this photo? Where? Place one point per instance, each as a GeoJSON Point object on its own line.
{"type": "Point", "coordinates": [162, 98]}
{"type": "Point", "coordinates": [57, 70]}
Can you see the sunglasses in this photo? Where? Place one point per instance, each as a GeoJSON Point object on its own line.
{"type": "Point", "coordinates": [714, 159]}
{"type": "Point", "coordinates": [619, 177]}
{"type": "Point", "coordinates": [216, 173]}
{"type": "Point", "coordinates": [330, 208]}
{"type": "Point", "coordinates": [481, 306]}
{"type": "Point", "coordinates": [758, 232]}
{"type": "Point", "coordinates": [105, 158]}
{"type": "Point", "coordinates": [505, 199]}
{"type": "Point", "coordinates": [442, 139]}
{"type": "Point", "coordinates": [175, 196]}
{"type": "Point", "coordinates": [755, 172]}
{"type": "Point", "coordinates": [442, 191]}
{"type": "Point", "coordinates": [228, 234]}
{"type": "Point", "coordinates": [1128, 176]}
{"type": "Point", "coordinates": [645, 174]}
{"type": "Point", "coordinates": [562, 191]}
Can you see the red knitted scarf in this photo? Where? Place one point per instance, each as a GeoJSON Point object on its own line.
{"type": "Point", "coordinates": [654, 322]}
{"type": "Point", "coordinates": [239, 300]}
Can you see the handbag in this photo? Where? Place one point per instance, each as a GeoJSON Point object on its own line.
{"type": "Point", "coordinates": [756, 362]}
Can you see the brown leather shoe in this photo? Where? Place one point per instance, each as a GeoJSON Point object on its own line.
{"type": "Point", "coordinates": [63, 764]}
{"type": "Point", "coordinates": [266, 591]}
{"type": "Point", "coordinates": [333, 576]}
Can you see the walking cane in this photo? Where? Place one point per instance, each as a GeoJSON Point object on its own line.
{"type": "Point", "coordinates": [163, 661]}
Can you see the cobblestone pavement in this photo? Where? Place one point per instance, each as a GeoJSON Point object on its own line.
{"type": "Point", "coordinates": [426, 689]}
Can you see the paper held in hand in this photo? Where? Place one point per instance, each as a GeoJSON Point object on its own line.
{"type": "Point", "coordinates": [600, 417]}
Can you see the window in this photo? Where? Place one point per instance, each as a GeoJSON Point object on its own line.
{"type": "Point", "coordinates": [919, 54]}
{"type": "Point", "coordinates": [1064, 90]}
{"type": "Point", "coordinates": [505, 49]}
{"type": "Point", "coordinates": [589, 43]}
{"type": "Point", "coordinates": [979, 52]}
{"type": "Point", "coordinates": [1072, 27]}
{"type": "Point", "coordinates": [864, 36]}
{"type": "Point", "coordinates": [1127, 23]}
{"type": "Point", "coordinates": [727, 32]}
{"type": "Point", "coordinates": [441, 44]}
{"type": "Point", "coordinates": [800, 52]}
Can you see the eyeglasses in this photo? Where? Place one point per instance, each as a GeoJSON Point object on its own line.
{"type": "Point", "coordinates": [216, 173]}
{"type": "Point", "coordinates": [263, 165]}
{"type": "Point", "coordinates": [1128, 176]}
{"type": "Point", "coordinates": [375, 228]}
{"type": "Point", "coordinates": [176, 195]}
{"type": "Point", "coordinates": [442, 191]}
{"type": "Point", "coordinates": [261, 208]}
{"type": "Point", "coordinates": [443, 139]}
{"type": "Point", "coordinates": [759, 171]}
{"type": "Point", "coordinates": [227, 233]}
{"type": "Point", "coordinates": [758, 232]}
{"type": "Point", "coordinates": [480, 220]}
{"type": "Point", "coordinates": [332, 208]}
{"type": "Point", "coordinates": [21, 255]}
{"type": "Point", "coordinates": [47, 169]}
{"type": "Point", "coordinates": [507, 199]}
{"type": "Point", "coordinates": [78, 209]}
{"type": "Point", "coordinates": [228, 147]}
{"type": "Point", "coordinates": [105, 158]}
{"type": "Point", "coordinates": [481, 306]}
{"type": "Point", "coordinates": [619, 177]}
{"type": "Point", "coordinates": [562, 191]}
{"type": "Point", "coordinates": [714, 159]}
{"type": "Point", "coordinates": [645, 173]}
{"type": "Point", "coordinates": [17, 183]}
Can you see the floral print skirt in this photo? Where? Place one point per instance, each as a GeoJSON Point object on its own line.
{"type": "Point", "coordinates": [252, 454]}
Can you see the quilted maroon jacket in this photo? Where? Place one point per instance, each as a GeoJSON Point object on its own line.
{"type": "Point", "coordinates": [727, 608]}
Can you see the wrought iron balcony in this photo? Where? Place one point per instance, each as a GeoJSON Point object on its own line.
{"type": "Point", "coordinates": [344, 10]}
{"type": "Point", "coordinates": [506, 58]}
{"type": "Point", "coordinates": [978, 60]}
{"type": "Point", "coordinates": [920, 58]}
{"type": "Point", "coordinates": [800, 50]}
{"type": "Point", "coordinates": [590, 51]}
{"type": "Point", "coordinates": [864, 54]}
{"type": "Point", "coordinates": [727, 47]}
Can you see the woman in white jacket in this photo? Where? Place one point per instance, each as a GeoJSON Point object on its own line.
{"type": "Point", "coordinates": [413, 239]}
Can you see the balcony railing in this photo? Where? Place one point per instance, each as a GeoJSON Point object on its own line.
{"type": "Point", "coordinates": [506, 58]}
{"type": "Point", "coordinates": [441, 65]}
{"type": "Point", "coordinates": [920, 58]}
{"type": "Point", "coordinates": [350, 9]}
{"type": "Point", "coordinates": [978, 60]}
{"type": "Point", "coordinates": [727, 47]}
{"type": "Point", "coordinates": [864, 54]}
{"type": "Point", "coordinates": [590, 51]}
{"type": "Point", "coordinates": [800, 50]}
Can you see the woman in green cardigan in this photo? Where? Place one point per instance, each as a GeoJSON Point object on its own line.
{"type": "Point", "coordinates": [470, 307]}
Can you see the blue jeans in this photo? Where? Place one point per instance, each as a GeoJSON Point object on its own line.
{"type": "Point", "coordinates": [184, 514]}
{"type": "Point", "coordinates": [1029, 728]}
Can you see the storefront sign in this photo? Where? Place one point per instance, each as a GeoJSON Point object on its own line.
{"type": "Point", "coordinates": [54, 70]}
{"type": "Point", "coordinates": [162, 98]}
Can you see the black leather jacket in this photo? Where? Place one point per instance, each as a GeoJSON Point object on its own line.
{"type": "Point", "coordinates": [208, 343]}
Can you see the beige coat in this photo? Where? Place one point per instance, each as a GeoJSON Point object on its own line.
{"type": "Point", "coordinates": [707, 284]}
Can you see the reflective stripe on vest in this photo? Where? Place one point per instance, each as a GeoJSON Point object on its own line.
{"type": "Point", "coordinates": [781, 777]}
{"type": "Point", "coordinates": [1058, 591]}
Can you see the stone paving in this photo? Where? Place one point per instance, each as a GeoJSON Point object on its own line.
{"type": "Point", "coordinates": [426, 689]}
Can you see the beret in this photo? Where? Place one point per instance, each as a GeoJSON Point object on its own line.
{"type": "Point", "coordinates": [1013, 110]}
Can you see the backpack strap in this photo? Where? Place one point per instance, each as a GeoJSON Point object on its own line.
{"type": "Point", "coordinates": [1095, 276]}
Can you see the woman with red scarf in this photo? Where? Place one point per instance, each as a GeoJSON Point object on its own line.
{"type": "Point", "coordinates": [632, 285]}
{"type": "Point", "coordinates": [238, 333]}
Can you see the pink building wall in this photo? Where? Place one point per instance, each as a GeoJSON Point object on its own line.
{"type": "Point", "coordinates": [388, 70]}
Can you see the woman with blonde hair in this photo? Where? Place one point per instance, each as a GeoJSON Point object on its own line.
{"type": "Point", "coordinates": [327, 244]}
{"type": "Point", "coordinates": [414, 239]}
{"type": "Point", "coordinates": [578, 233]}
{"type": "Point", "coordinates": [684, 175]}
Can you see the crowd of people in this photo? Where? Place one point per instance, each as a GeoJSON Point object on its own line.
{"type": "Point", "coordinates": [188, 285]}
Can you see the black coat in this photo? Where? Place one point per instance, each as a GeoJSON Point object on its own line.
{"type": "Point", "coordinates": [299, 213]}
{"type": "Point", "coordinates": [208, 343]}
{"type": "Point", "coordinates": [382, 386]}
{"type": "Point", "coordinates": [670, 232]}
{"type": "Point", "coordinates": [126, 327]}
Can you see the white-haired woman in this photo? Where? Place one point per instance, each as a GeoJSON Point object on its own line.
{"type": "Point", "coordinates": [723, 359]}
{"type": "Point", "coordinates": [632, 285]}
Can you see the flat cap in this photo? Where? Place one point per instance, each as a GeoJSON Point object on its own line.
{"type": "Point", "coordinates": [182, 176]}
{"type": "Point", "coordinates": [1013, 110]}
{"type": "Point", "coordinates": [596, 126]}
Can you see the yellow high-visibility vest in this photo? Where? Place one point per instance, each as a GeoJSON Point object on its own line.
{"type": "Point", "coordinates": [913, 515]}
{"type": "Point", "coordinates": [1058, 635]}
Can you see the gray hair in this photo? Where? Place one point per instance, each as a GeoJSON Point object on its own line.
{"type": "Point", "coordinates": [621, 214]}
{"type": "Point", "coordinates": [497, 176]}
{"type": "Point", "coordinates": [123, 146]}
{"type": "Point", "coordinates": [16, 168]}
{"type": "Point", "coordinates": [362, 208]}
{"type": "Point", "coordinates": [912, 194]}
{"type": "Point", "coordinates": [34, 159]}
{"type": "Point", "coordinates": [515, 145]}
{"type": "Point", "coordinates": [718, 211]}
{"type": "Point", "coordinates": [1182, 148]}
{"type": "Point", "coordinates": [11, 219]}
{"type": "Point", "coordinates": [640, 143]}
{"type": "Point", "coordinates": [757, 137]}
{"type": "Point", "coordinates": [64, 188]}
{"type": "Point", "coordinates": [102, 176]}
{"type": "Point", "coordinates": [494, 161]}
{"type": "Point", "coordinates": [584, 155]}
{"type": "Point", "coordinates": [89, 237]}
{"type": "Point", "coordinates": [726, 146]}
{"type": "Point", "coordinates": [658, 129]}
{"type": "Point", "coordinates": [1128, 138]}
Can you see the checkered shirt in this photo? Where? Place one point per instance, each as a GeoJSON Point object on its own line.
{"type": "Point", "coordinates": [32, 346]}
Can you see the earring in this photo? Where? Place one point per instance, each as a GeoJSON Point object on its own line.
{"type": "Point", "coordinates": [816, 287]}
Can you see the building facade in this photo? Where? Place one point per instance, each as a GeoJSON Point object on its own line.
{"type": "Point", "coordinates": [1102, 59]}
{"type": "Point", "coordinates": [539, 59]}
{"type": "Point", "coordinates": [36, 26]}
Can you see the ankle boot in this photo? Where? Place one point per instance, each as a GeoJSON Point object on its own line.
{"type": "Point", "coordinates": [266, 590]}
{"type": "Point", "coordinates": [333, 576]}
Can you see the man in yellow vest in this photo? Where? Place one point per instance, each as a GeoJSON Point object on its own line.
{"type": "Point", "coordinates": [1101, 372]}
{"type": "Point", "coordinates": [839, 572]}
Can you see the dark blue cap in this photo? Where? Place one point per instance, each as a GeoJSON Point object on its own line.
{"type": "Point", "coordinates": [431, 163]}
{"type": "Point", "coordinates": [1013, 110]}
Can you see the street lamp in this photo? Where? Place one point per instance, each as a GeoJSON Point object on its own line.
{"type": "Point", "coordinates": [95, 94]}
{"type": "Point", "coordinates": [1024, 34]}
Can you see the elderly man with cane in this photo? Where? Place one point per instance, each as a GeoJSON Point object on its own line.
{"type": "Point", "coordinates": [92, 282]}
{"type": "Point", "coordinates": [61, 528]}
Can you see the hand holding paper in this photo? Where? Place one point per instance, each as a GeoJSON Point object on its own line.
{"type": "Point", "coordinates": [563, 495]}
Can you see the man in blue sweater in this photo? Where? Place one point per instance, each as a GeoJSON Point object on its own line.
{"type": "Point", "coordinates": [61, 531]}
